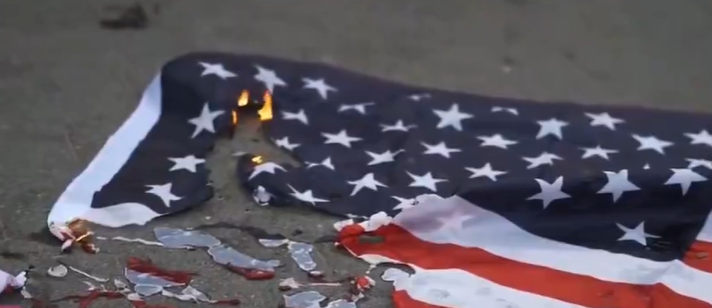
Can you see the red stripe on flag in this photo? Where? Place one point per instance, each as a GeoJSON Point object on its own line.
{"type": "Point", "coordinates": [399, 244]}
{"type": "Point", "coordinates": [699, 256]}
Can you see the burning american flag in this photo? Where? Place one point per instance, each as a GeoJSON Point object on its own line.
{"type": "Point", "coordinates": [492, 202]}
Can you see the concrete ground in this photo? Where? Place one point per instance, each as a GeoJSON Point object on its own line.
{"type": "Point", "coordinates": [66, 84]}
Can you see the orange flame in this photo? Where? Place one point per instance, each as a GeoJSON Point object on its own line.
{"type": "Point", "coordinates": [257, 160]}
{"type": "Point", "coordinates": [82, 235]}
{"type": "Point", "coordinates": [234, 117]}
{"type": "Point", "coordinates": [243, 99]}
{"type": "Point", "coordinates": [265, 112]}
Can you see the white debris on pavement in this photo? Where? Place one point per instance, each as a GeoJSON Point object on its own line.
{"type": "Point", "coordinates": [180, 238]}
{"type": "Point", "coordinates": [374, 222]}
{"type": "Point", "coordinates": [313, 299]}
{"type": "Point", "coordinates": [130, 240]}
{"type": "Point", "coordinates": [299, 252]}
{"type": "Point", "coordinates": [292, 284]}
{"type": "Point", "coordinates": [87, 275]}
{"type": "Point", "coordinates": [58, 271]}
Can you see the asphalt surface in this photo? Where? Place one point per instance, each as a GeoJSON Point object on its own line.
{"type": "Point", "coordinates": [66, 85]}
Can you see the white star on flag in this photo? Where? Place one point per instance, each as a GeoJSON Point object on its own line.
{"type": "Point", "coordinates": [403, 203]}
{"type": "Point", "coordinates": [186, 163]}
{"type": "Point", "coordinates": [284, 143]}
{"type": "Point", "coordinates": [485, 171]}
{"type": "Point", "coordinates": [685, 178]}
{"type": "Point", "coordinates": [360, 108]}
{"type": "Point", "coordinates": [697, 162]}
{"type": "Point", "coordinates": [269, 78]}
{"type": "Point", "coordinates": [163, 192]}
{"type": "Point", "coordinates": [604, 119]}
{"type": "Point", "coordinates": [325, 163]}
{"type": "Point", "coordinates": [204, 122]}
{"type": "Point", "coordinates": [550, 192]}
{"type": "Point", "coordinates": [319, 85]}
{"type": "Point", "coordinates": [440, 149]}
{"type": "Point", "coordinates": [341, 138]}
{"type": "Point", "coordinates": [544, 158]}
{"type": "Point", "coordinates": [418, 97]}
{"type": "Point", "coordinates": [367, 181]}
{"type": "Point", "coordinates": [398, 126]}
{"type": "Point", "coordinates": [400, 199]}
{"type": "Point", "coordinates": [384, 157]}
{"type": "Point", "coordinates": [703, 137]}
{"type": "Point", "coordinates": [217, 70]}
{"type": "Point", "coordinates": [597, 151]}
{"type": "Point", "coordinates": [652, 143]}
{"type": "Point", "coordinates": [452, 117]}
{"type": "Point", "coordinates": [425, 181]}
{"type": "Point", "coordinates": [306, 196]}
{"type": "Point", "coordinates": [505, 109]}
{"type": "Point", "coordinates": [268, 167]}
{"type": "Point", "coordinates": [637, 234]}
{"type": "Point", "coordinates": [300, 116]}
{"type": "Point", "coordinates": [496, 140]}
{"type": "Point", "coordinates": [551, 127]}
{"type": "Point", "coordinates": [617, 184]}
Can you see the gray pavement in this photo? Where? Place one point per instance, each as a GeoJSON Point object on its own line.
{"type": "Point", "coordinates": [66, 85]}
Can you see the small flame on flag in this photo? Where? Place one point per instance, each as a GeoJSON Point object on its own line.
{"type": "Point", "coordinates": [257, 160]}
{"type": "Point", "coordinates": [234, 117]}
{"type": "Point", "coordinates": [265, 112]}
{"type": "Point", "coordinates": [243, 99]}
{"type": "Point", "coordinates": [74, 232]}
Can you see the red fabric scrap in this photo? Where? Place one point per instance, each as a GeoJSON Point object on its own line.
{"type": "Point", "coordinates": [147, 267]}
{"type": "Point", "coordinates": [251, 273]}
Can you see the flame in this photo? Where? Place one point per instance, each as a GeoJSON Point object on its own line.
{"type": "Point", "coordinates": [257, 159]}
{"type": "Point", "coordinates": [265, 112]}
{"type": "Point", "coordinates": [243, 99]}
{"type": "Point", "coordinates": [81, 235]}
{"type": "Point", "coordinates": [234, 117]}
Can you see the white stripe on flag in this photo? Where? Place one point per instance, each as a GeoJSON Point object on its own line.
{"type": "Point", "coordinates": [75, 201]}
{"type": "Point", "coordinates": [459, 289]}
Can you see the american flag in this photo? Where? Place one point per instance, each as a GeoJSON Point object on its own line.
{"type": "Point", "coordinates": [495, 202]}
